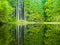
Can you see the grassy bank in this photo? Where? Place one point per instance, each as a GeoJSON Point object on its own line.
{"type": "Point", "coordinates": [26, 22]}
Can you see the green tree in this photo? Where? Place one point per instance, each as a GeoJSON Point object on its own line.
{"type": "Point", "coordinates": [33, 10]}
{"type": "Point", "coordinates": [52, 10]}
{"type": "Point", "coordinates": [5, 11]}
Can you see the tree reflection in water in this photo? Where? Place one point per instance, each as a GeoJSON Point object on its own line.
{"type": "Point", "coordinates": [30, 34]}
{"type": "Point", "coordinates": [5, 36]}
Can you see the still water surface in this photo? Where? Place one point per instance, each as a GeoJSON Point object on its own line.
{"type": "Point", "coordinates": [29, 34]}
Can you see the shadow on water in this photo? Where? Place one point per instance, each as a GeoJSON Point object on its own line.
{"type": "Point", "coordinates": [29, 34]}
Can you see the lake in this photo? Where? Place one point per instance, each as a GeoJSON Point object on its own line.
{"type": "Point", "coordinates": [32, 34]}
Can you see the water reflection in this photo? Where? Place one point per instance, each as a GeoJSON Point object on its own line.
{"type": "Point", "coordinates": [34, 35]}
{"type": "Point", "coordinates": [29, 34]}
{"type": "Point", "coordinates": [20, 34]}
{"type": "Point", "coordinates": [6, 37]}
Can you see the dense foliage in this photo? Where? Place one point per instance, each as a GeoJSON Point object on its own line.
{"type": "Point", "coordinates": [33, 10]}
{"type": "Point", "coordinates": [5, 11]}
{"type": "Point", "coordinates": [42, 10]}
{"type": "Point", "coordinates": [52, 10]}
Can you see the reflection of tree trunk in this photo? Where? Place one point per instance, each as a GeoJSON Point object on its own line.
{"type": "Point", "coordinates": [20, 34]}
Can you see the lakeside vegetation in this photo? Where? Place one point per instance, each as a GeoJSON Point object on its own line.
{"type": "Point", "coordinates": [36, 21]}
{"type": "Point", "coordinates": [41, 11]}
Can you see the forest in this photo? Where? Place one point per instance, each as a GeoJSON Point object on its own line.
{"type": "Point", "coordinates": [29, 22]}
{"type": "Point", "coordinates": [30, 10]}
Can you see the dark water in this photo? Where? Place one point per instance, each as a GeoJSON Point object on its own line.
{"type": "Point", "coordinates": [29, 34]}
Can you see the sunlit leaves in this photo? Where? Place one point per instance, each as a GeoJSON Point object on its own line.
{"type": "Point", "coordinates": [34, 10]}
{"type": "Point", "coordinates": [5, 9]}
{"type": "Point", "coordinates": [52, 10]}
